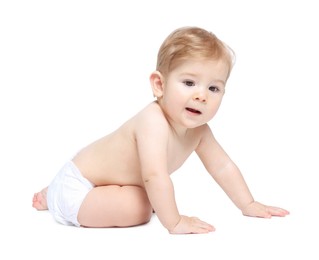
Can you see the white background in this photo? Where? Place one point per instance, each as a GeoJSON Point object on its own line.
{"type": "Point", "coordinates": [72, 71]}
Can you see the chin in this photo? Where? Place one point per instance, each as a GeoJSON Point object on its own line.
{"type": "Point", "coordinates": [194, 125]}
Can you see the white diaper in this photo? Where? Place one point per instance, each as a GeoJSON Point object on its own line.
{"type": "Point", "coordinates": [66, 194]}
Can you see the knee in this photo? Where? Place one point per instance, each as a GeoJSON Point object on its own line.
{"type": "Point", "coordinates": [140, 209]}
{"type": "Point", "coordinates": [141, 215]}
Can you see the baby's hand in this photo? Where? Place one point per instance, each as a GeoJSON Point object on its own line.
{"type": "Point", "coordinates": [193, 225]}
{"type": "Point", "coordinates": [256, 209]}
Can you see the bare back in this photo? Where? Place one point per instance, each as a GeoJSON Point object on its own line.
{"type": "Point", "coordinates": [114, 160]}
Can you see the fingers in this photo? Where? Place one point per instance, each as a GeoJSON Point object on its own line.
{"type": "Point", "coordinates": [200, 227]}
{"type": "Point", "coordinates": [278, 212]}
{"type": "Point", "coordinates": [191, 225]}
{"type": "Point", "coordinates": [257, 209]}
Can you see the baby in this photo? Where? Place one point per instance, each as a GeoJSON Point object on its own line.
{"type": "Point", "coordinates": [120, 179]}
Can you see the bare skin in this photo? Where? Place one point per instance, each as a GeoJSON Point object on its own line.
{"type": "Point", "coordinates": [131, 167]}
{"type": "Point", "coordinates": [40, 200]}
{"type": "Point", "coordinates": [101, 163]}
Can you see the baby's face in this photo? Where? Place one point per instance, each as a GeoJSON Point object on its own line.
{"type": "Point", "coordinates": [193, 91]}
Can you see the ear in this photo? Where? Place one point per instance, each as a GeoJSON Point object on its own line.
{"type": "Point", "coordinates": [157, 84]}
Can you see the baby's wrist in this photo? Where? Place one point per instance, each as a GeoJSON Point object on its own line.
{"type": "Point", "coordinates": [171, 228]}
{"type": "Point", "coordinates": [246, 206]}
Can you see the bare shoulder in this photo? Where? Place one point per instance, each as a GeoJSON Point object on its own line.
{"type": "Point", "coordinates": [210, 151]}
{"type": "Point", "coordinates": [206, 137]}
{"type": "Point", "coordinates": [151, 117]}
{"type": "Point", "coordinates": [151, 111]}
{"type": "Point", "coordinates": [204, 132]}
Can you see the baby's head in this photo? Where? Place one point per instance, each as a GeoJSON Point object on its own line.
{"type": "Point", "coordinates": [191, 42]}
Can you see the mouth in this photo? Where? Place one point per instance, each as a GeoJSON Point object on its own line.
{"type": "Point", "coordinates": [193, 111]}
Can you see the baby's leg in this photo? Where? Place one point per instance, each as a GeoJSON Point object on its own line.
{"type": "Point", "coordinates": [115, 206]}
{"type": "Point", "coordinates": [40, 200]}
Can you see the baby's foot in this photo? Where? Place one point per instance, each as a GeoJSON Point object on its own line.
{"type": "Point", "coordinates": [40, 200]}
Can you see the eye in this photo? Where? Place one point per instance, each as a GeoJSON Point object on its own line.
{"type": "Point", "coordinates": [189, 83]}
{"type": "Point", "coordinates": [213, 89]}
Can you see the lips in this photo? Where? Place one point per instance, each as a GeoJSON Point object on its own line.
{"type": "Point", "coordinates": [194, 111]}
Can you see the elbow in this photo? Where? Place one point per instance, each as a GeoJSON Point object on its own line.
{"type": "Point", "coordinates": [149, 177]}
{"type": "Point", "coordinates": [155, 178]}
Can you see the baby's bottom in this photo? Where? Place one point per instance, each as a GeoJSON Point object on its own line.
{"type": "Point", "coordinates": [65, 194]}
{"type": "Point", "coordinates": [115, 206]}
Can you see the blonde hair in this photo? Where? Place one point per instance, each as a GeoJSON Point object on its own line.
{"type": "Point", "coordinates": [192, 42]}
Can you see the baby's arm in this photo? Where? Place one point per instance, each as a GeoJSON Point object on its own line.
{"type": "Point", "coordinates": [228, 176]}
{"type": "Point", "coordinates": [152, 144]}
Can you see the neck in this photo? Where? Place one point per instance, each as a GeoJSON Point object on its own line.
{"type": "Point", "coordinates": [177, 129]}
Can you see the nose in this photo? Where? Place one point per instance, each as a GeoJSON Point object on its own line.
{"type": "Point", "coordinates": [200, 96]}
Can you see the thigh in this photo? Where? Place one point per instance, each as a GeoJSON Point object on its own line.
{"type": "Point", "coordinates": [115, 206]}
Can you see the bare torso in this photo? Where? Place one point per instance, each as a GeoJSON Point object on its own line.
{"type": "Point", "coordinates": [114, 160]}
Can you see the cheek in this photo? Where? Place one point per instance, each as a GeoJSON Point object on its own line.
{"type": "Point", "coordinates": [174, 104]}
{"type": "Point", "coordinates": [175, 98]}
{"type": "Point", "coordinates": [215, 106]}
